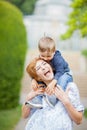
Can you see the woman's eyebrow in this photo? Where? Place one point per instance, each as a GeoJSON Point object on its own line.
{"type": "Point", "coordinates": [40, 64]}
{"type": "Point", "coordinates": [43, 62]}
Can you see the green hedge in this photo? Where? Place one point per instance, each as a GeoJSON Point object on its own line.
{"type": "Point", "coordinates": [12, 54]}
{"type": "Point", "coordinates": [84, 52]}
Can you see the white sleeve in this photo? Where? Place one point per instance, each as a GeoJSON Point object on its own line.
{"type": "Point", "coordinates": [75, 97]}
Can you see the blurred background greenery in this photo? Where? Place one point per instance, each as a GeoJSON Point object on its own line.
{"type": "Point", "coordinates": [26, 6]}
{"type": "Point", "coordinates": [12, 56]}
{"type": "Point", "coordinates": [13, 49]}
{"type": "Point", "coordinates": [77, 20]}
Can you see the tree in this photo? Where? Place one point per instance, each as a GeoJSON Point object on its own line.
{"type": "Point", "coordinates": [26, 6]}
{"type": "Point", "coordinates": [13, 45]}
{"type": "Point", "coordinates": [77, 19]}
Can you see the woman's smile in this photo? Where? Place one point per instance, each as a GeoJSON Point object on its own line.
{"type": "Point", "coordinates": [44, 70]}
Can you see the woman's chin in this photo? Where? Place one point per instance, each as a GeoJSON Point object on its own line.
{"type": "Point", "coordinates": [49, 78]}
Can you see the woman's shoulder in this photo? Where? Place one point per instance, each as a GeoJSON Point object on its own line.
{"type": "Point", "coordinates": [74, 96]}
{"type": "Point", "coordinates": [73, 90]}
{"type": "Point", "coordinates": [72, 86]}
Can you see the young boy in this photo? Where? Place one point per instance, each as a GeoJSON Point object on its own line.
{"type": "Point", "coordinates": [60, 67]}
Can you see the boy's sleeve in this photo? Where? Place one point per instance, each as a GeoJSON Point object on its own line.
{"type": "Point", "coordinates": [60, 65]}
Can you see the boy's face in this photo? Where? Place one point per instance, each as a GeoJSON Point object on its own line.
{"type": "Point", "coordinates": [47, 56]}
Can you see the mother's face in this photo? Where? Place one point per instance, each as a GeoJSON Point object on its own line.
{"type": "Point", "coordinates": [44, 71]}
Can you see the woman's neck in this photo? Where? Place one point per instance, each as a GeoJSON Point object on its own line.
{"type": "Point", "coordinates": [48, 82]}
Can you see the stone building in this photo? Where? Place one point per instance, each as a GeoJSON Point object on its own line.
{"type": "Point", "coordinates": [49, 18]}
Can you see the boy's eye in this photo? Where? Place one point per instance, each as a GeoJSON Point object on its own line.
{"type": "Point", "coordinates": [48, 56]}
{"type": "Point", "coordinates": [45, 56]}
{"type": "Point", "coordinates": [42, 56]}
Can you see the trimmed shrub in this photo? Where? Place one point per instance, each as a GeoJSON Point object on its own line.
{"type": "Point", "coordinates": [12, 54]}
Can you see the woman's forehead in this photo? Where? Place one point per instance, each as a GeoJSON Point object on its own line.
{"type": "Point", "coordinates": [39, 62]}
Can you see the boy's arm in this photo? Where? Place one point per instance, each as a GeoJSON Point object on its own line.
{"type": "Point", "coordinates": [60, 65]}
{"type": "Point", "coordinates": [50, 87]}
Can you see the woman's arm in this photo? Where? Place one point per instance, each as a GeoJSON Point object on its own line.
{"type": "Point", "coordinates": [75, 115]}
{"type": "Point", "coordinates": [25, 109]}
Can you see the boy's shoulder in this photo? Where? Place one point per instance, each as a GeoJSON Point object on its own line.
{"type": "Point", "coordinates": [57, 53]}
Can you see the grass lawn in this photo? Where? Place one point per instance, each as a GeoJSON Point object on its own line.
{"type": "Point", "coordinates": [9, 118]}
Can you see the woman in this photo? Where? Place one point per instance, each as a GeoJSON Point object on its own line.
{"type": "Point", "coordinates": [67, 109]}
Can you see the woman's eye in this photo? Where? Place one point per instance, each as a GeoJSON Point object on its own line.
{"type": "Point", "coordinates": [44, 63]}
{"type": "Point", "coordinates": [38, 68]}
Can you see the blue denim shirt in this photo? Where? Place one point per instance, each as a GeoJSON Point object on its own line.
{"type": "Point", "coordinates": [59, 65]}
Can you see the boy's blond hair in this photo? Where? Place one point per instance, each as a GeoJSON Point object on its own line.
{"type": "Point", "coordinates": [46, 44]}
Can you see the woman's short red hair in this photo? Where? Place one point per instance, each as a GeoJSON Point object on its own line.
{"type": "Point", "coordinates": [31, 68]}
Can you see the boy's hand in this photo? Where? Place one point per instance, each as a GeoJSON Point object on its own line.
{"type": "Point", "coordinates": [50, 87]}
{"type": "Point", "coordinates": [34, 84]}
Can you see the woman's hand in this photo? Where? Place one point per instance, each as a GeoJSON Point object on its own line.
{"type": "Point", "coordinates": [34, 93]}
{"type": "Point", "coordinates": [75, 115]}
{"type": "Point", "coordinates": [40, 90]}
{"type": "Point", "coordinates": [26, 110]}
{"type": "Point", "coordinates": [61, 95]}
{"type": "Point", "coordinates": [50, 87]}
{"type": "Point", "coordinates": [34, 84]}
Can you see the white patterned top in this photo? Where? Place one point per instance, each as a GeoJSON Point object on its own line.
{"type": "Point", "coordinates": [56, 118]}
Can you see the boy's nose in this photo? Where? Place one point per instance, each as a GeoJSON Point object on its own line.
{"type": "Point", "coordinates": [45, 58]}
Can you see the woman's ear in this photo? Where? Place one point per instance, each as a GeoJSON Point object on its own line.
{"type": "Point", "coordinates": [39, 79]}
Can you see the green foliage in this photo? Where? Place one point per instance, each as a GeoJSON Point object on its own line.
{"type": "Point", "coordinates": [85, 113]}
{"type": "Point", "coordinates": [84, 52]}
{"type": "Point", "coordinates": [9, 118]}
{"type": "Point", "coordinates": [26, 6]}
{"type": "Point", "coordinates": [77, 19]}
{"type": "Point", "coordinates": [12, 54]}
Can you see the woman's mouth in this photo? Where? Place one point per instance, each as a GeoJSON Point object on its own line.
{"type": "Point", "coordinates": [47, 73]}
